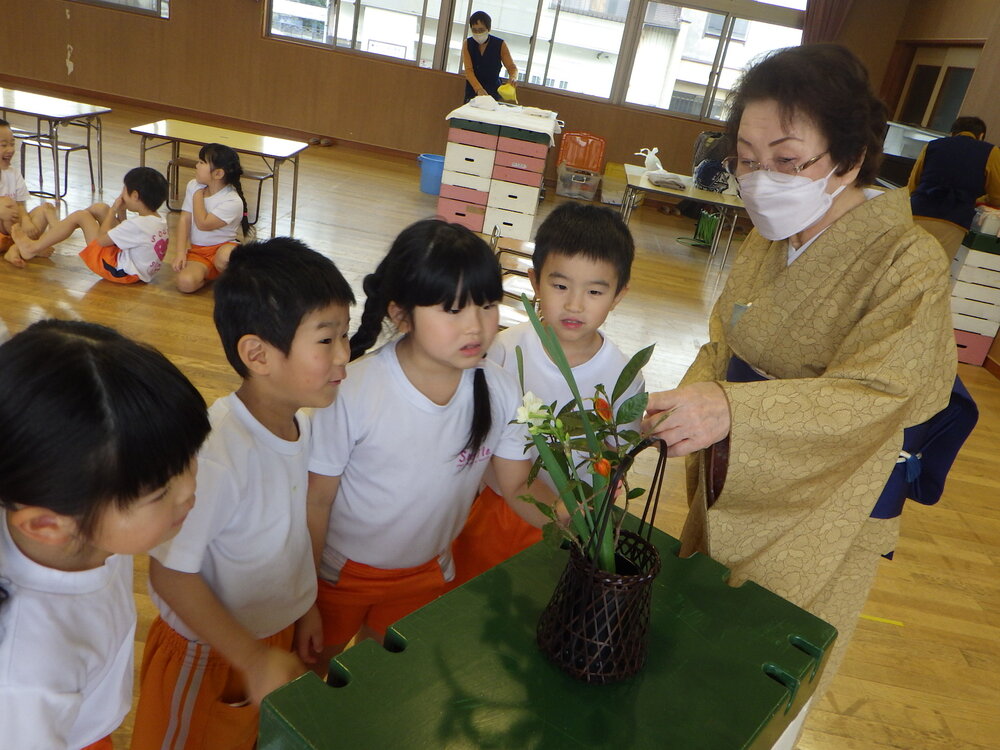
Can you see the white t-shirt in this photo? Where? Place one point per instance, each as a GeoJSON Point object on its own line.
{"type": "Point", "coordinates": [542, 377]}
{"type": "Point", "coordinates": [12, 184]}
{"type": "Point", "coordinates": [66, 645]}
{"type": "Point", "coordinates": [225, 205]}
{"type": "Point", "coordinates": [406, 484]}
{"type": "Point", "coordinates": [247, 533]}
{"type": "Point", "coordinates": [142, 241]}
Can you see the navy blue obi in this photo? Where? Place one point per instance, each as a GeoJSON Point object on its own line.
{"type": "Point", "coordinates": [931, 447]}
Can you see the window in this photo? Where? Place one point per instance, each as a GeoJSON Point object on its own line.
{"type": "Point", "coordinates": [936, 86]}
{"type": "Point", "coordinates": [643, 52]}
{"type": "Point", "coordinates": [684, 61]}
{"type": "Point", "coordinates": [159, 8]}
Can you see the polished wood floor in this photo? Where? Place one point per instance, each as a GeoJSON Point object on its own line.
{"type": "Point", "coordinates": [923, 672]}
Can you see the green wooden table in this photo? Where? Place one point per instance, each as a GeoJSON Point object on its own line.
{"type": "Point", "coordinates": [728, 668]}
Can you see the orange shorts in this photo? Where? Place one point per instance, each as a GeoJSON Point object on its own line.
{"type": "Point", "coordinates": [376, 597]}
{"type": "Point", "coordinates": [190, 696]}
{"type": "Point", "coordinates": [6, 242]}
{"type": "Point", "coordinates": [205, 254]}
{"type": "Point", "coordinates": [103, 260]}
{"type": "Point", "coordinates": [492, 534]}
{"type": "Point", "coordinates": [104, 744]}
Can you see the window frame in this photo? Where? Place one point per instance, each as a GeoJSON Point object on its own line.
{"type": "Point", "coordinates": [162, 10]}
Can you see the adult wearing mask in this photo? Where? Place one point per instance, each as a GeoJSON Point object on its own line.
{"type": "Point", "coordinates": [832, 335]}
{"type": "Point", "coordinates": [482, 56]}
{"type": "Point", "coordinates": [949, 177]}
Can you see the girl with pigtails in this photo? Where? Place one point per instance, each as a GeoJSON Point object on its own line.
{"type": "Point", "coordinates": [213, 217]}
{"type": "Point", "coordinates": [400, 455]}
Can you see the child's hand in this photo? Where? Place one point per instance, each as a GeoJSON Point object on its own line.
{"type": "Point", "coordinates": [180, 260]}
{"type": "Point", "coordinates": [269, 670]}
{"type": "Point", "coordinates": [309, 636]}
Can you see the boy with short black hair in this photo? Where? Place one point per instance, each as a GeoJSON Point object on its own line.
{"type": "Point", "coordinates": [580, 272]}
{"type": "Point", "coordinates": [236, 587]}
{"type": "Point", "coordinates": [119, 249]}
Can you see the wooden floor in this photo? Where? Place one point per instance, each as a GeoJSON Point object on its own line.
{"type": "Point", "coordinates": [923, 672]}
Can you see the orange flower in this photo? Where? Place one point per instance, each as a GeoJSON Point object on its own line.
{"type": "Point", "coordinates": [603, 467]}
{"type": "Point", "coordinates": [603, 409]}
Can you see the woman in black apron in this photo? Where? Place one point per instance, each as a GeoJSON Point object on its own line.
{"type": "Point", "coordinates": [482, 57]}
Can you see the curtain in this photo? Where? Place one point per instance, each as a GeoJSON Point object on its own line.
{"type": "Point", "coordinates": [824, 20]}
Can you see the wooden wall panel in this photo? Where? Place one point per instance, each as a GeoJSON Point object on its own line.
{"type": "Point", "coordinates": [213, 58]}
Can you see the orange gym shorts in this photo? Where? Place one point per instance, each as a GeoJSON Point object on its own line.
{"type": "Point", "coordinates": [205, 254]}
{"type": "Point", "coordinates": [191, 697]}
{"type": "Point", "coordinates": [6, 242]}
{"type": "Point", "coordinates": [492, 534]}
{"type": "Point", "coordinates": [103, 260]}
{"type": "Point", "coordinates": [104, 744]}
{"type": "Point", "coordinates": [376, 597]}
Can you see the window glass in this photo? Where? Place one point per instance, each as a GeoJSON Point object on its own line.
{"type": "Point", "coordinates": [159, 8]}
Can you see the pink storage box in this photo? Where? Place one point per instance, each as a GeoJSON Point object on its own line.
{"type": "Point", "coordinates": [464, 194]}
{"type": "Point", "coordinates": [469, 215]}
{"type": "Point", "coordinates": [526, 148]}
{"type": "Point", "coordinates": [520, 176]}
{"type": "Point", "coordinates": [472, 138]}
{"type": "Point", "coordinates": [519, 161]}
{"type": "Point", "coordinates": [972, 347]}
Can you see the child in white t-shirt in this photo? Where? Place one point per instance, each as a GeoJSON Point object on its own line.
{"type": "Point", "coordinates": [99, 435]}
{"type": "Point", "coordinates": [236, 588]}
{"type": "Point", "coordinates": [119, 249]}
{"type": "Point", "coordinates": [212, 216]}
{"type": "Point", "coordinates": [14, 195]}
{"type": "Point", "coordinates": [398, 458]}
{"type": "Point", "coordinates": [581, 268]}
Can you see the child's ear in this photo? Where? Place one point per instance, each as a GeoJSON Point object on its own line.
{"type": "Point", "coordinates": [218, 173]}
{"type": "Point", "coordinates": [399, 318]}
{"type": "Point", "coordinates": [43, 525]}
{"type": "Point", "coordinates": [619, 297]}
{"type": "Point", "coordinates": [255, 353]}
{"type": "Point", "coordinates": [534, 281]}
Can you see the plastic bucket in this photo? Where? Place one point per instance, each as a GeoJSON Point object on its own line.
{"type": "Point", "coordinates": [431, 167]}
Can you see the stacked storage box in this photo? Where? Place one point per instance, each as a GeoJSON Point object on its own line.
{"type": "Point", "coordinates": [975, 296]}
{"type": "Point", "coordinates": [578, 166]}
{"type": "Point", "coordinates": [492, 177]}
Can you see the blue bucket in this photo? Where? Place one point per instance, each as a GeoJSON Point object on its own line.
{"type": "Point", "coordinates": [431, 167]}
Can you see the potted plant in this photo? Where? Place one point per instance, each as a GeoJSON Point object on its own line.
{"type": "Point", "coordinates": [596, 623]}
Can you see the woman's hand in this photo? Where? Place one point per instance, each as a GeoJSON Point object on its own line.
{"type": "Point", "coordinates": [688, 418]}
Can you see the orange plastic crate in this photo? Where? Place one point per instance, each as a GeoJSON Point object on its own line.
{"type": "Point", "coordinates": [582, 151]}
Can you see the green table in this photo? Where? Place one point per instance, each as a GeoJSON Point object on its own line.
{"type": "Point", "coordinates": [728, 668]}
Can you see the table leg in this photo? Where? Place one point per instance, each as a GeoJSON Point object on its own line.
{"type": "Point", "coordinates": [729, 239]}
{"type": "Point", "coordinates": [142, 150]}
{"type": "Point", "coordinates": [274, 194]}
{"type": "Point", "coordinates": [100, 157]}
{"type": "Point", "coordinates": [54, 141]}
{"type": "Point", "coordinates": [627, 199]}
{"type": "Point", "coordinates": [295, 191]}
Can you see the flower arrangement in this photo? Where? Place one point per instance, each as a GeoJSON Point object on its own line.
{"type": "Point", "coordinates": [582, 446]}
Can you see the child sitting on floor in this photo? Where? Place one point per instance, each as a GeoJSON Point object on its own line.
{"type": "Point", "coordinates": [119, 249]}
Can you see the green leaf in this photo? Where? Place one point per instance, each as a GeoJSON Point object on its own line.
{"type": "Point", "coordinates": [638, 361]}
{"type": "Point", "coordinates": [544, 508]}
{"type": "Point", "coordinates": [635, 492]}
{"type": "Point", "coordinates": [533, 472]}
{"type": "Point", "coordinates": [520, 366]}
{"type": "Point", "coordinates": [629, 436]}
{"type": "Point", "coordinates": [632, 409]}
{"type": "Point", "coordinates": [555, 534]}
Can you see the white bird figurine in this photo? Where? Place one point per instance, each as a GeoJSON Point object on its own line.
{"type": "Point", "coordinates": [652, 161]}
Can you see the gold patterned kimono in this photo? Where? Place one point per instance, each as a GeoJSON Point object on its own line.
{"type": "Point", "coordinates": [856, 334]}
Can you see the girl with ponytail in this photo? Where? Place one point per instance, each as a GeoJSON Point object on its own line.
{"type": "Point", "coordinates": [415, 425]}
{"type": "Point", "coordinates": [213, 217]}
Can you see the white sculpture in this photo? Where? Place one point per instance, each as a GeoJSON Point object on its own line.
{"type": "Point", "coordinates": [652, 161]}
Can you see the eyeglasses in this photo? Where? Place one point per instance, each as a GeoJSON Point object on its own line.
{"type": "Point", "coordinates": [737, 166]}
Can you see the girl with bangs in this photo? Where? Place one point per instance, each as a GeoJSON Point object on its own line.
{"type": "Point", "coordinates": [400, 455]}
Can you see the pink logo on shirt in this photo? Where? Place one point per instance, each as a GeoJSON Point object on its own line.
{"type": "Point", "coordinates": [466, 457]}
{"type": "Point", "coordinates": [160, 247]}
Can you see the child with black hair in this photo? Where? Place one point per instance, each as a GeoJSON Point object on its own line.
{"type": "Point", "coordinates": [99, 435]}
{"type": "Point", "coordinates": [236, 588]}
{"type": "Point", "coordinates": [213, 216]}
{"type": "Point", "coordinates": [119, 249]}
{"type": "Point", "coordinates": [404, 447]}
{"type": "Point", "coordinates": [580, 271]}
{"type": "Point", "coordinates": [14, 194]}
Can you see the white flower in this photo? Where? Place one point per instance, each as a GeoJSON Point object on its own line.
{"type": "Point", "coordinates": [533, 412]}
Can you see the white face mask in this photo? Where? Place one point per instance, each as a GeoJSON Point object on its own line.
{"type": "Point", "coordinates": [781, 205]}
{"type": "Point", "coordinates": [480, 38]}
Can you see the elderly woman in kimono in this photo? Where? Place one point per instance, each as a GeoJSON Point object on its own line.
{"type": "Point", "coordinates": [832, 335]}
